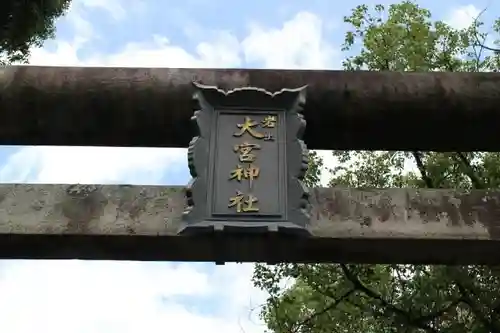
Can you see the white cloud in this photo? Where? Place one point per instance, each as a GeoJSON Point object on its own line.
{"type": "Point", "coordinates": [115, 8]}
{"type": "Point", "coordinates": [223, 51]}
{"type": "Point", "coordinates": [124, 297]}
{"type": "Point", "coordinates": [300, 43]}
{"type": "Point", "coordinates": [91, 165]}
{"type": "Point", "coordinates": [463, 16]}
{"type": "Point", "coordinates": [69, 296]}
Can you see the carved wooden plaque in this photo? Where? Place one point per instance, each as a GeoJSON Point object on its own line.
{"type": "Point", "coordinates": [247, 162]}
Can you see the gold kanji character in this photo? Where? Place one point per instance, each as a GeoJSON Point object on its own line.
{"type": "Point", "coordinates": [248, 126]}
{"type": "Point", "coordinates": [243, 205]}
{"type": "Point", "coordinates": [268, 137]}
{"type": "Point", "coordinates": [269, 122]}
{"type": "Point", "coordinates": [251, 172]}
{"type": "Point", "coordinates": [237, 173]}
{"type": "Point", "coordinates": [245, 151]}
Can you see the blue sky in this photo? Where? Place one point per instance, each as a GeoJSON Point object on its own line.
{"type": "Point", "coordinates": [95, 297]}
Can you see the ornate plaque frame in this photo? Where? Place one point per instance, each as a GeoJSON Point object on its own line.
{"type": "Point", "coordinates": [283, 160]}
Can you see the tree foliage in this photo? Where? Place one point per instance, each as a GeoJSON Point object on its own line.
{"type": "Point", "coordinates": [26, 24]}
{"type": "Point", "coordinates": [330, 298]}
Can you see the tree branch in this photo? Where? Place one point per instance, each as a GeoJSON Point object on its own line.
{"type": "Point", "coordinates": [329, 307]}
{"type": "Point", "coordinates": [487, 47]}
{"type": "Point", "coordinates": [421, 168]}
{"type": "Point", "coordinates": [433, 315]}
{"type": "Point", "coordinates": [478, 43]}
{"type": "Point", "coordinates": [469, 170]}
{"type": "Point", "coordinates": [392, 308]}
{"type": "Point", "coordinates": [490, 325]}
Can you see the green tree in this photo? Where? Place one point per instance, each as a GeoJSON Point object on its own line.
{"type": "Point", "coordinates": [26, 24]}
{"type": "Point", "coordinates": [345, 298]}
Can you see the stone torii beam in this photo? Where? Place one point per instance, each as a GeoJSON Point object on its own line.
{"type": "Point", "coordinates": [151, 107]}
{"type": "Point", "coordinates": [123, 222]}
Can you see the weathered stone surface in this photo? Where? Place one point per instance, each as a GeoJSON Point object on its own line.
{"type": "Point", "coordinates": [344, 110]}
{"type": "Point", "coordinates": [379, 225]}
{"type": "Point", "coordinates": [90, 209]}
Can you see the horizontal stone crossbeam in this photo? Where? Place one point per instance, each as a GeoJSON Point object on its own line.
{"type": "Point", "coordinates": [123, 222]}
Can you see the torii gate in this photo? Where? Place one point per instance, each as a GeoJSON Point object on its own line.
{"type": "Point", "coordinates": [345, 110]}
